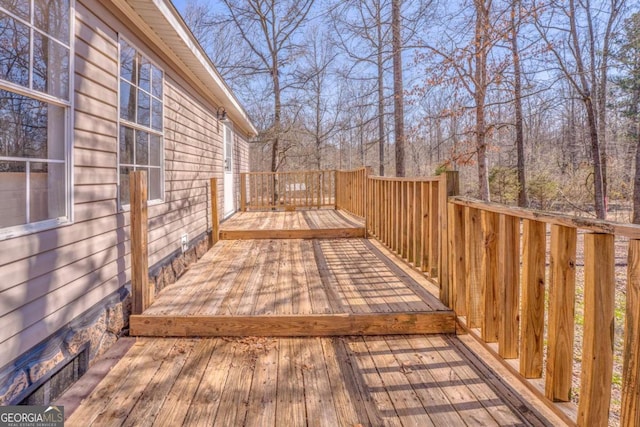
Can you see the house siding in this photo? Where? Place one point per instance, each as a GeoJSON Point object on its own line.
{"type": "Point", "coordinates": [77, 274]}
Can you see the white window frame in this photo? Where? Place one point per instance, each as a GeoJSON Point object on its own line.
{"type": "Point", "coordinates": [68, 106]}
{"type": "Point", "coordinates": [136, 126]}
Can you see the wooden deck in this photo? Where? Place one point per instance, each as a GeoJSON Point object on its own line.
{"type": "Point", "coordinates": [339, 381]}
{"type": "Point", "coordinates": [274, 331]}
{"type": "Point", "coordinates": [301, 224]}
{"type": "Point", "coordinates": [295, 287]}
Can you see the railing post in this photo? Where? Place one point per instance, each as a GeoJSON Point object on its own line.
{"type": "Point", "coordinates": [630, 409]}
{"type": "Point", "coordinates": [597, 345]}
{"type": "Point", "coordinates": [449, 186]}
{"type": "Point", "coordinates": [141, 292]}
{"type": "Point", "coordinates": [243, 192]}
{"type": "Point", "coordinates": [215, 220]}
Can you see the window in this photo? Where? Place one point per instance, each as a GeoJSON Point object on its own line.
{"type": "Point", "coordinates": [34, 114]}
{"type": "Point", "coordinates": [141, 115]}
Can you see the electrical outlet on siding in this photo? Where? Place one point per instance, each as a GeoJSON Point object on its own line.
{"type": "Point", "coordinates": [184, 242]}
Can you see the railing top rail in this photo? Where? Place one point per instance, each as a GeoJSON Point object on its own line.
{"type": "Point", "coordinates": [631, 231]}
{"type": "Point", "coordinates": [406, 179]}
{"type": "Point", "coordinates": [289, 172]}
{"type": "Point", "coordinates": [351, 170]}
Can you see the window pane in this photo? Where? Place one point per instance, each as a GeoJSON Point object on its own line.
{"type": "Point", "coordinates": [144, 105]}
{"type": "Point", "coordinates": [155, 150]}
{"type": "Point", "coordinates": [30, 128]}
{"type": "Point", "coordinates": [144, 76]}
{"type": "Point", "coordinates": [19, 8]}
{"type": "Point", "coordinates": [127, 101]}
{"type": "Point", "coordinates": [127, 62]}
{"type": "Point", "coordinates": [142, 148]}
{"type": "Point", "coordinates": [14, 51]}
{"type": "Point", "coordinates": [13, 193]}
{"type": "Point", "coordinates": [154, 184]}
{"type": "Point", "coordinates": [156, 115]}
{"type": "Point", "coordinates": [126, 145]}
{"type": "Point", "coordinates": [50, 66]}
{"type": "Point", "coordinates": [52, 17]}
{"type": "Point", "coordinates": [124, 185]}
{"type": "Point", "coordinates": [47, 198]}
{"type": "Point", "coordinates": [157, 82]}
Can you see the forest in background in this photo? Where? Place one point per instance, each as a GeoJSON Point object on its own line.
{"type": "Point", "coordinates": [535, 103]}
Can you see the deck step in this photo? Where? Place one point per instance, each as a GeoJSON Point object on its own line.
{"type": "Point", "coordinates": [294, 325]}
{"type": "Point", "coordinates": [326, 233]}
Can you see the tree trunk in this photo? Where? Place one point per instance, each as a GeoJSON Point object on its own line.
{"type": "Point", "coordinates": [517, 94]}
{"type": "Point", "coordinates": [480, 77]}
{"type": "Point", "coordinates": [636, 178]}
{"type": "Point", "coordinates": [601, 212]}
{"type": "Point", "coordinates": [635, 114]}
{"type": "Point", "coordinates": [380, 65]}
{"type": "Point", "coordinates": [481, 146]}
{"type": "Point", "coordinates": [276, 123]}
{"type": "Point", "coordinates": [398, 96]}
{"type": "Point", "coordinates": [587, 99]}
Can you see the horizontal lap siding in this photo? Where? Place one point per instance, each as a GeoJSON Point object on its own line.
{"type": "Point", "coordinates": [192, 156]}
{"type": "Point", "coordinates": [52, 277]}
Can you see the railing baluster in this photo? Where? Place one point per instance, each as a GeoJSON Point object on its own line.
{"type": "Point", "coordinates": [489, 276]}
{"type": "Point", "coordinates": [405, 219]}
{"type": "Point", "coordinates": [457, 258]}
{"type": "Point", "coordinates": [630, 409]}
{"type": "Point", "coordinates": [473, 256]}
{"type": "Point", "coordinates": [417, 225]}
{"type": "Point", "coordinates": [509, 281]}
{"type": "Point", "coordinates": [561, 313]}
{"type": "Point", "coordinates": [533, 285]}
{"type": "Point", "coordinates": [434, 209]}
{"type": "Point", "coordinates": [426, 228]}
{"type": "Point", "coordinates": [597, 345]}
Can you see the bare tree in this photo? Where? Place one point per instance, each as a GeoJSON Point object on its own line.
{"type": "Point", "coordinates": [628, 58]}
{"type": "Point", "coordinates": [268, 29]}
{"type": "Point", "coordinates": [319, 95]}
{"type": "Point", "coordinates": [516, 7]}
{"type": "Point", "coordinates": [398, 88]}
{"type": "Point", "coordinates": [363, 31]}
{"type": "Point", "coordinates": [576, 52]}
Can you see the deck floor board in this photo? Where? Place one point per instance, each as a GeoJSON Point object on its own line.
{"type": "Point", "coordinates": [254, 277]}
{"type": "Point", "coordinates": [312, 219]}
{"type": "Point", "coordinates": [399, 380]}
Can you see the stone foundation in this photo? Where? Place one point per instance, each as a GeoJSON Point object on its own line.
{"type": "Point", "coordinates": [170, 269]}
{"type": "Point", "coordinates": [94, 331]}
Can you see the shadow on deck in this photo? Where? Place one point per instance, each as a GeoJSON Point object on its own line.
{"type": "Point", "coordinates": [420, 380]}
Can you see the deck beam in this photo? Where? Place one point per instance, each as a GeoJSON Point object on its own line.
{"type": "Point", "coordinates": [295, 325]}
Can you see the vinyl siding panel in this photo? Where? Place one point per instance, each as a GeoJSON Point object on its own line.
{"type": "Point", "coordinates": [54, 276]}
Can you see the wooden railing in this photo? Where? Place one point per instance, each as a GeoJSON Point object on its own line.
{"type": "Point", "coordinates": [408, 215]}
{"type": "Point", "coordinates": [490, 273]}
{"type": "Point", "coordinates": [351, 187]}
{"type": "Point", "coordinates": [287, 190]}
{"type": "Point", "coordinates": [509, 274]}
